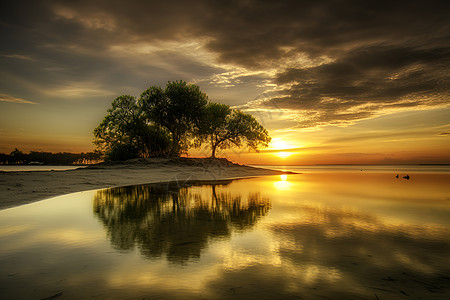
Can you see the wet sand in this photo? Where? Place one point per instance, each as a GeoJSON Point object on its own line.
{"type": "Point", "coordinates": [18, 188]}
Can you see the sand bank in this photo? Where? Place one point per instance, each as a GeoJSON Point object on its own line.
{"type": "Point", "coordinates": [18, 188]}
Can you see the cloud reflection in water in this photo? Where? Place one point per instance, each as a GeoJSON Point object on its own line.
{"type": "Point", "coordinates": [357, 235]}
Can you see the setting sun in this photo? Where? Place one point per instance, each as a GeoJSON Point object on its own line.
{"type": "Point", "coordinates": [212, 149]}
{"type": "Point", "coordinates": [283, 146]}
{"type": "Point", "coordinates": [283, 154]}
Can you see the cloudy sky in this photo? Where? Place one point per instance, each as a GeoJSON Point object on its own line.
{"type": "Point", "coordinates": [333, 81]}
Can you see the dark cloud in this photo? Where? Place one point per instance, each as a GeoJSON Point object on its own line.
{"type": "Point", "coordinates": [244, 32]}
{"type": "Point", "coordinates": [67, 45]}
{"type": "Point", "coordinates": [382, 55]}
{"type": "Point", "coordinates": [250, 34]}
{"type": "Point", "coordinates": [359, 58]}
{"type": "Point", "coordinates": [364, 82]}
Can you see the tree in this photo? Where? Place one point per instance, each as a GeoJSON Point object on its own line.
{"type": "Point", "coordinates": [4, 158]}
{"type": "Point", "coordinates": [168, 121]}
{"type": "Point", "coordinates": [177, 108]}
{"type": "Point", "coordinates": [126, 133]}
{"type": "Point", "coordinates": [18, 157]}
{"type": "Point", "coordinates": [223, 127]}
{"type": "Point", "coordinates": [213, 124]}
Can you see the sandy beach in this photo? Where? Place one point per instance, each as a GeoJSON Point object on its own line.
{"type": "Point", "coordinates": [18, 188]}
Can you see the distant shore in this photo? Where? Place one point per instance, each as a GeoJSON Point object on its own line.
{"type": "Point", "coordinates": [18, 188]}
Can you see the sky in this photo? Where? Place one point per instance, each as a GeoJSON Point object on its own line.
{"type": "Point", "coordinates": [334, 82]}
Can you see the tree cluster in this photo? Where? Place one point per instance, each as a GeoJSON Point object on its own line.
{"type": "Point", "coordinates": [167, 122]}
{"type": "Point", "coordinates": [48, 158]}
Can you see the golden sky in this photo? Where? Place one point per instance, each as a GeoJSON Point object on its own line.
{"type": "Point", "coordinates": [333, 82]}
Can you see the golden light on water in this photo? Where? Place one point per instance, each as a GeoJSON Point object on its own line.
{"type": "Point", "coordinates": [283, 184]}
{"type": "Point", "coordinates": [312, 231]}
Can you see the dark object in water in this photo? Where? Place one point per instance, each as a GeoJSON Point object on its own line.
{"type": "Point", "coordinates": [396, 176]}
{"type": "Point", "coordinates": [406, 177]}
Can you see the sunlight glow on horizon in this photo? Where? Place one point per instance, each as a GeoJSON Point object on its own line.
{"type": "Point", "coordinates": [283, 154]}
{"type": "Point", "coordinates": [339, 96]}
{"type": "Point", "coordinates": [282, 145]}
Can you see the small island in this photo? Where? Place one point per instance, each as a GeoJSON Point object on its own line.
{"type": "Point", "coordinates": [142, 140]}
{"type": "Point", "coordinates": [18, 188]}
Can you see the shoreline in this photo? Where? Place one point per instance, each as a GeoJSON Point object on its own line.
{"type": "Point", "coordinates": [24, 187]}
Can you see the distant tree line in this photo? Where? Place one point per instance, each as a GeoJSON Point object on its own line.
{"type": "Point", "coordinates": [167, 122]}
{"type": "Point", "coordinates": [48, 158]}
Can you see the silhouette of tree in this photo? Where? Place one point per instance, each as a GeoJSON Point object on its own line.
{"type": "Point", "coordinates": [169, 121]}
{"type": "Point", "coordinates": [48, 158]}
{"type": "Point", "coordinates": [126, 133]}
{"type": "Point", "coordinates": [223, 127]}
{"type": "Point", "coordinates": [18, 157]}
{"type": "Point", "coordinates": [178, 222]}
{"type": "Point", "coordinates": [177, 108]}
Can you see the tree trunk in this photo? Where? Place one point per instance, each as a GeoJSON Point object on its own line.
{"type": "Point", "coordinates": [213, 147]}
{"type": "Point", "coordinates": [174, 147]}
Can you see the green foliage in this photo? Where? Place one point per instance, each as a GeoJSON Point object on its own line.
{"type": "Point", "coordinates": [177, 109]}
{"type": "Point", "coordinates": [244, 127]}
{"type": "Point", "coordinates": [212, 126]}
{"type": "Point", "coordinates": [126, 127]}
{"type": "Point", "coordinates": [121, 125]}
{"type": "Point", "coordinates": [121, 152]}
{"type": "Point", "coordinates": [169, 121]}
{"type": "Point", "coordinates": [223, 127]}
{"type": "Point", "coordinates": [155, 140]}
{"type": "Point", "coordinates": [214, 118]}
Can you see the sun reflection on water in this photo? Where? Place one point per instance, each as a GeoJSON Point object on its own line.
{"type": "Point", "coordinates": [283, 184]}
{"type": "Point", "coordinates": [321, 235]}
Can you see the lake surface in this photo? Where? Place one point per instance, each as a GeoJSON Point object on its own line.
{"type": "Point", "coordinates": [317, 235]}
{"type": "Point", "coordinates": [16, 168]}
{"type": "Point", "coordinates": [396, 169]}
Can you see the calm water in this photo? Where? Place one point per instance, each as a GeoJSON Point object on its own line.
{"type": "Point", "coordinates": [331, 235]}
{"type": "Point", "coordinates": [396, 169]}
{"type": "Point", "coordinates": [10, 168]}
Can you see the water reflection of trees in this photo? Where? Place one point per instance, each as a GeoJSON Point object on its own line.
{"type": "Point", "coordinates": [166, 219]}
